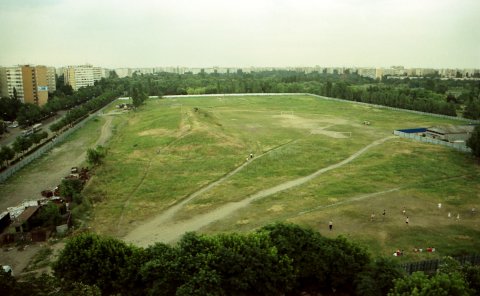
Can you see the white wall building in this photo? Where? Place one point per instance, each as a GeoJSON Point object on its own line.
{"type": "Point", "coordinates": [51, 82]}
{"type": "Point", "coordinates": [81, 76]}
{"type": "Point", "coordinates": [11, 78]}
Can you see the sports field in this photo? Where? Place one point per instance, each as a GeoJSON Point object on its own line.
{"type": "Point", "coordinates": [184, 164]}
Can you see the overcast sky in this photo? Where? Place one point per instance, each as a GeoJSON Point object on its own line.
{"type": "Point", "coordinates": [203, 33]}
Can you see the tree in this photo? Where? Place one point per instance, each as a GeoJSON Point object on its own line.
{"type": "Point", "coordinates": [48, 215]}
{"type": "Point", "coordinates": [419, 284]}
{"type": "Point", "coordinates": [474, 142]}
{"type": "Point", "coordinates": [6, 154]}
{"type": "Point", "coordinates": [95, 156]}
{"type": "Point", "coordinates": [71, 188]}
{"type": "Point", "coordinates": [320, 264]}
{"type": "Point", "coordinates": [21, 144]}
{"type": "Point", "coordinates": [94, 260]}
{"type": "Point", "coordinates": [377, 278]}
{"type": "Point", "coordinates": [472, 109]}
{"type": "Point", "coordinates": [112, 74]}
{"type": "Point", "coordinates": [9, 107]}
{"type": "Point", "coordinates": [29, 114]}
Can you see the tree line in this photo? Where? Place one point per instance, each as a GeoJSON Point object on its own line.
{"type": "Point", "coordinates": [432, 95]}
{"type": "Point", "coordinates": [277, 259]}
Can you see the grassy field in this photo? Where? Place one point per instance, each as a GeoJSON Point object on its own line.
{"type": "Point", "coordinates": [171, 148]}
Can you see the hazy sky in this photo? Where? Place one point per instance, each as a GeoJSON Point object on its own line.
{"type": "Point", "coordinates": [196, 33]}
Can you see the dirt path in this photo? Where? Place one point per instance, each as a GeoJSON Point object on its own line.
{"type": "Point", "coordinates": [170, 212]}
{"type": "Point", "coordinates": [31, 182]}
{"type": "Point", "coordinates": [162, 229]}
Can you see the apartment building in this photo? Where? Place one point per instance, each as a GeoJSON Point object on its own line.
{"type": "Point", "coordinates": [35, 86]}
{"type": "Point", "coordinates": [51, 81]}
{"type": "Point", "coordinates": [82, 76]}
{"type": "Point", "coordinates": [10, 80]}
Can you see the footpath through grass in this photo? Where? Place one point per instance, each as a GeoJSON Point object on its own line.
{"type": "Point", "coordinates": [171, 148]}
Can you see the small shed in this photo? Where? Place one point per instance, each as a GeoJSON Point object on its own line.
{"type": "Point", "coordinates": [451, 133]}
{"type": "Point", "coordinates": [22, 223]}
{"type": "Point", "coordinates": [5, 221]}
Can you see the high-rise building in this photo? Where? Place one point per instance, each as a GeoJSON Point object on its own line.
{"type": "Point", "coordinates": [51, 81]}
{"type": "Point", "coordinates": [11, 82]}
{"type": "Point", "coordinates": [35, 86]}
{"type": "Point", "coordinates": [82, 76]}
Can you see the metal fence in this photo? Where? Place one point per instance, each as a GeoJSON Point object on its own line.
{"type": "Point", "coordinates": [431, 266]}
{"type": "Point", "coordinates": [398, 109]}
{"type": "Point", "coordinates": [457, 146]}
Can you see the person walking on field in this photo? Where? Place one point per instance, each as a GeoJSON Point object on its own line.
{"type": "Point", "coordinates": [407, 220]}
{"type": "Point", "coordinates": [330, 225]}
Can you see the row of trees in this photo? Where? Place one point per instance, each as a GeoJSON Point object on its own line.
{"type": "Point", "coordinates": [21, 144]}
{"type": "Point", "coordinates": [279, 259]}
{"type": "Point", "coordinates": [427, 95]}
{"type": "Point", "coordinates": [82, 111]}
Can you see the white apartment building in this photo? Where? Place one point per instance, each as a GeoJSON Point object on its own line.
{"type": "Point", "coordinates": [51, 82]}
{"type": "Point", "coordinates": [81, 76]}
{"type": "Point", "coordinates": [123, 72]}
{"type": "Point", "coordinates": [368, 72]}
{"type": "Point", "coordinates": [10, 79]}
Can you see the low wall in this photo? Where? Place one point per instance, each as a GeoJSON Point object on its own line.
{"type": "Point", "coordinates": [456, 146]}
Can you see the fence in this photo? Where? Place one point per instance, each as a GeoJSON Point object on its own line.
{"type": "Point", "coordinates": [45, 147]}
{"type": "Point", "coordinates": [397, 109]}
{"type": "Point", "coordinates": [431, 266]}
{"type": "Point", "coordinates": [457, 146]}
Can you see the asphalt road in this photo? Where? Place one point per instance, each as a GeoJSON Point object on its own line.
{"type": "Point", "coordinates": [13, 133]}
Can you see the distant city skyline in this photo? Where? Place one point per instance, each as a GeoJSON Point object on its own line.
{"type": "Point", "coordinates": [259, 33]}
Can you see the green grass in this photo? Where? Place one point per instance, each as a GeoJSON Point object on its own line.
{"type": "Point", "coordinates": [166, 150]}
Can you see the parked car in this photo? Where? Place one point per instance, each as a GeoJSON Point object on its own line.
{"type": "Point", "coordinates": [7, 269]}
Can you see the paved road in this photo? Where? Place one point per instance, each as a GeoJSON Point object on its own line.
{"type": "Point", "coordinates": [13, 133]}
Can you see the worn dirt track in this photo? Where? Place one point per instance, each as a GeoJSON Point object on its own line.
{"type": "Point", "coordinates": [163, 229]}
{"type": "Point", "coordinates": [34, 181]}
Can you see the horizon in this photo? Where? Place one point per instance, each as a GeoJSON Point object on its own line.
{"type": "Point", "coordinates": [239, 67]}
{"type": "Point", "coordinates": [112, 34]}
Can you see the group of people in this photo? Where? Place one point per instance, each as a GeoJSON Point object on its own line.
{"type": "Point", "coordinates": [419, 250]}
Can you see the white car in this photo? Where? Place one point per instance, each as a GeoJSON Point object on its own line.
{"type": "Point", "coordinates": [7, 269]}
{"type": "Point", "coordinates": [13, 124]}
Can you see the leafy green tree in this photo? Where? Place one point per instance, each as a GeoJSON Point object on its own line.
{"type": "Point", "coordinates": [161, 274]}
{"type": "Point", "coordinates": [38, 137]}
{"type": "Point", "coordinates": [9, 107]}
{"type": "Point", "coordinates": [320, 264]}
{"type": "Point", "coordinates": [377, 278]}
{"type": "Point", "coordinates": [246, 265]}
{"type": "Point", "coordinates": [474, 141]}
{"type": "Point", "coordinates": [94, 260]}
{"type": "Point", "coordinates": [6, 154]}
{"type": "Point", "coordinates": [21, 144]}
{"type": "Point", "coordinates": [472, 109]}
{"type": "Point", "coordinates": [471, 274]}
{"type": "Point", "coordinates": [70, 188]}
{"type": "Point", "coordinates": [95, 156]}
{"type": "Point", "coordinates": [29, 114]}
{"type": "Point", "coordinates": [419, 284]}
{"type": "Point", "coordinates": [48, 215]}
